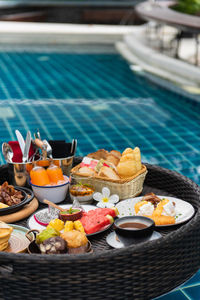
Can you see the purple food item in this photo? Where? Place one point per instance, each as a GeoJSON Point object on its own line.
{"type": "Point", "coordinates": [71, 214]}
{"type": "Point", "coordinates": [53, 245]}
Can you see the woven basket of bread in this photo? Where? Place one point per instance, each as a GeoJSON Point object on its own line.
{"type": "Point", "coordinates": [124, 188]}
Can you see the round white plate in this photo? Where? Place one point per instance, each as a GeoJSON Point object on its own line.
{"type": "Point", "coordinates": [113, 242]}
{"type": "Point", "coordinates": [184, 210]}
{"type": "Point", "coordinates": [33, 224]}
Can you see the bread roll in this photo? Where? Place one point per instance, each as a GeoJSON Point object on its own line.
{"type": "Point", "coordinates": [108, 173]}
{"type": "Point", "coordinates": [100, 154]}
{"type": "Point", "coordinates": [127, 157]}
{"type": "Point", "coordinates": [130, 163]}
{"type": "Point", "coordinates": [112, 159]}
{"type": "Point", "coordinates": [115, 153]}
{"type": "Point", "coordinates": [127, 151]}
{"type": "Point", "coordinates": [137, 155]}
{"type": "Point", "coordinates": [126, 169]}
{"type": "Point", "coordinates": [86, 171]}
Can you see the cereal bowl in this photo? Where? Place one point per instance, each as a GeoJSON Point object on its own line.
{"type": "Point", "coordinates": [54, 193]}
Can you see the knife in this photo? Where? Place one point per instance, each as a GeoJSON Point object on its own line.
{"type": "Point", "coordinates": [27, 147]}
{"type": "Point", "coordinates": [20, 140]}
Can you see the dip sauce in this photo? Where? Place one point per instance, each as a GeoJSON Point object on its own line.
{"type": "Point", "coordinates": [133, 225]}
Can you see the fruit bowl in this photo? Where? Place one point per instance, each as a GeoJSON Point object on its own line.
{"type": "Point", "coordinates": [54, 193]}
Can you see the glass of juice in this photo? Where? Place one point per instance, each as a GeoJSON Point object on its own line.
{"type": "Point", "coordinates": [55, 174]}
{"type": "Point", "coordinates": [39, 176]}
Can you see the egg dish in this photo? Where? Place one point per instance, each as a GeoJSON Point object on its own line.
{"type": "Point", "coordinates": [162, 211]}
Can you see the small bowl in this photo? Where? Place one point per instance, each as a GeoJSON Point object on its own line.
{"type": "Point", "coordinates": [136, 229]}
{"type": "Point", "coordinates": [65, 216]}
{"type": "Point", "coordinates": [81, 193]}
{"type": "Point", "coordinates": [54, 193]}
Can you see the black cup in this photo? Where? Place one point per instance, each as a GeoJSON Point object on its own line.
{"type": "Point", "coordinates": [129, 236]}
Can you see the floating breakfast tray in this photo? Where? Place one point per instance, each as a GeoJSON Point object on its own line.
{"type": "Point", "coordinates": [141, 271]}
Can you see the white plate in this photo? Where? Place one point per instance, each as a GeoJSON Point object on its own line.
{"type": "Point", "coordinates": [33, 224]}
{"type": "Point", "coordinates": [184, 210]}
{"type": "Point", "coordinates": [113, 242]}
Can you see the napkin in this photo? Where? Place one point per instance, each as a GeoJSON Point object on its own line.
{"type": "Point", "coordinates": [17, 153]}
{"type": "Point", "coordinates": [60, 149]}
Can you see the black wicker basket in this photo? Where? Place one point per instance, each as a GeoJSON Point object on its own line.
{"type": "Point", "coordinates": [143, 271]}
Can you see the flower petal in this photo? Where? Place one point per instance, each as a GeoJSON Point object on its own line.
{"type": "Point", "coordinates": [105, 192]}
{"type": "Point", "coordinates": [108, 205]}
{"type": "Point", "coordinates": [114, 198]}
{"type": "Point", "coordinates": [101, 204]}
{"type": "Point", "coordinates": [97, 196]}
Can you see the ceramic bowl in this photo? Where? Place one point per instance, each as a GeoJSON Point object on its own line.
{"type": "Point", "coordinates": [54, 193]}
{"type": "Point", "coordinates": [129, 235]}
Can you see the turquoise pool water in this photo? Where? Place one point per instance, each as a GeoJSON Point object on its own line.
{"type": "Point", "coordinates": [93, 96]}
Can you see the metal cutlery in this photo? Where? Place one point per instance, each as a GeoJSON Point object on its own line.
{"type": "Point", "coordinates": [7, 152]}
{"type": "Point", "coordinates": [73, 147]}
{"type": "Point", "coordinates": [20, 140]}
{"type": "Point", "coordinates": [27, 147]}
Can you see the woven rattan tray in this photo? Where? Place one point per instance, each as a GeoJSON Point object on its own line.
{"type": "Point", "coordinates": [136, 272]}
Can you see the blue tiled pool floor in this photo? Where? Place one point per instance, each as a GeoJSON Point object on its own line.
{"type": "Point", "coordinates": [95, 97]}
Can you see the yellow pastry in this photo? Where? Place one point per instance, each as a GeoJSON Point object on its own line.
{"type": "Point", "coordinates": [5, 233]}
{"type": "Point", "coordinates": [130, 163]}
{"type": "Point", "coordinates": [74, 238]}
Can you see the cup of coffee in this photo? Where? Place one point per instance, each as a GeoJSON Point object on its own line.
{"type": "Point", "coordinates": [133, 229]}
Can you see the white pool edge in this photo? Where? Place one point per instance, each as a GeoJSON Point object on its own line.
{"type": "Point", "coordinates": [46, 33]}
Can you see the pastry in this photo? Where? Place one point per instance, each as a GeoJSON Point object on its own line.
{"type": "Point", "coordinates": [5, 233]}
{"type": "Point", "coordinates": [101, 153]}
{"type": "Point", "coordinates": [115, 153]}
{"type": "Point", "coordinates": [162, 220]}
{"type": "Point", "coordinates": [108, 173]}
{"type": "Point", "coordinates": [112, 159]}
{"type": "Point", "coordinates": [77, 241]}
{"type": "Point", "coordinates": [130, 163]}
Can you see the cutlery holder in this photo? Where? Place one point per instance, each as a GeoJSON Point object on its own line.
{"type": "Point", "coordinates": [19, 173]}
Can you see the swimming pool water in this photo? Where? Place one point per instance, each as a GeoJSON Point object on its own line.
{"type": "Point", "coordinates": [96, 98]}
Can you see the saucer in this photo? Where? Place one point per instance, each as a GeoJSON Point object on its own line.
{"type": "Point", "coordinates": [112, 241]}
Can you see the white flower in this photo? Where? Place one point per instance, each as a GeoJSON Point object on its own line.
{"type": "Point", "coordinates": [104, 199]}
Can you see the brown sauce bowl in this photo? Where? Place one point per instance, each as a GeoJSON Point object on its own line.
{"type": "Point", "coordinates": [133, 229]}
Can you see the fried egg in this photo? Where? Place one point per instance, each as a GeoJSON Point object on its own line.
{"type": "Point", "coordinates": [165, 208]}
{"type": "Point", "coordinates": [144, 208]}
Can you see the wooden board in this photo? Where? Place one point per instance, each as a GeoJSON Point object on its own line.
{"type": "Point", "coordinates": [25, 212]}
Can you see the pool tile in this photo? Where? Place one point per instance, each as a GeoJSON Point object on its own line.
{"type": "Point", "coordinates": [175, 295]}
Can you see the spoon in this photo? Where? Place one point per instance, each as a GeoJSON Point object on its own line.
{"type": "Point", "coordinates": [53, 205]}
{"type": "Point", "coordinates": [7, 152]}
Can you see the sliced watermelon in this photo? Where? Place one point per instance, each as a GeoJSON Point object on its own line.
{"type": "Point", "coordinates": [102, 212]}
{"type": "Point", "coordinates": [92, 225]}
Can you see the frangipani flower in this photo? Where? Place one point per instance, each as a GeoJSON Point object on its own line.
{"type": "Point", "coordinates": [104, 199]}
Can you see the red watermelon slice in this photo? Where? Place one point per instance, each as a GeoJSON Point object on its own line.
{"type": "Point", "coordinates": [95, 220]}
